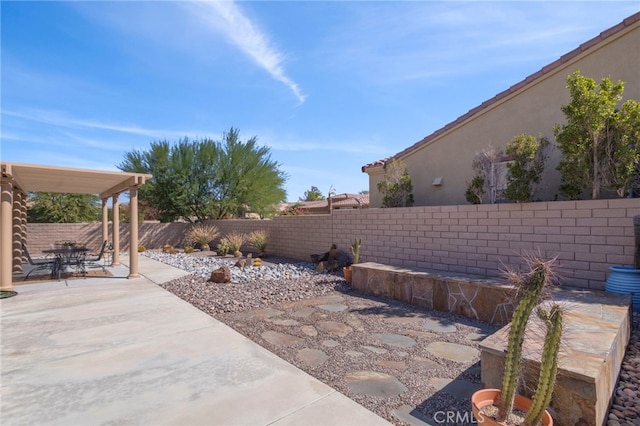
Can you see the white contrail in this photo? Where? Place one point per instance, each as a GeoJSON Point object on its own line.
{"type": "Point", "coordinates": [227, 18]}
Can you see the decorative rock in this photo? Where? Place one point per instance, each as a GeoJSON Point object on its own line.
{"type": "Point", "coordinates": [334, 327]}
{"type": "Point", "coordinates": [395, 365]}
{"type": "Point", "coordinates": [309, 330]}
{"type": "Point", "coordinates": [413, 417]}
{"type": "Point", "coordinates": [396, 340]}
{"type": "Point", "coordinates": [312, 357]}
{"type": "Point", "coordinates": [376, 350]}
{"type": "Point", "coordinates": [453, 351]}
{"type": "Point", "coordinates": [353, 354]}
{"type": "Point", "coordinates": [458, 388]}
{"type": "Point", "coordinates": [439, 326]}
{"type": "Point", "coordinates": [280, 339]}
{"type": "Point", "coordinates": [334, 307]}
{"type": "Point", "coordinates": [373, 383]}
{"type": "Point", "coordinates": [330, 343]}
{"type": "Point", "coordinates": [285, 322]}
{"type": "Point", "coordinates": [221, 275]}
{"type": "Point", "coordinates": [303, 312]}
{"type": "Point", "coordinates": [426, 362]}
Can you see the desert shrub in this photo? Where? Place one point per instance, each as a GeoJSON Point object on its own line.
{"type": "Point", "coordinates": [235, 240]}
{"type": "Point", "coordinates": [201, 234]}
{"type": "Point", "coordinates": [258, 239]}
{"type": "Point", "coordinates": [223, 247]}
{"type": "Point", "coordinates": [168, 248]}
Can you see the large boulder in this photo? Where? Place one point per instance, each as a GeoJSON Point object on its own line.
{"type": "Point", "coordinates": [220, 275]}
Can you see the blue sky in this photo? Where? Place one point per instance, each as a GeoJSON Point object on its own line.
{"type": "Point", "coordinates": [327, 86]}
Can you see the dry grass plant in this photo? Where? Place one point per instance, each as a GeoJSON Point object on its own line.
{"type": "Point", "coordinates": [201, 234]}
{"type": "Point", "coordinates": [234, 241]}
{"type": "Point", "coordinates": [258, 239]}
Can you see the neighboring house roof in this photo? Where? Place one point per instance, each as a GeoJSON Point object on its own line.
{"type": "Point", "coordinates": [338, 201]}
{"type": "Point", "coordinates": [516, 87]}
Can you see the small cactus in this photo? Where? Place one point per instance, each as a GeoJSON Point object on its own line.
{"type": "Point", "coordinates": [355, 249]}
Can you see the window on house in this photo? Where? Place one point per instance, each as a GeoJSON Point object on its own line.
{"type": "Point", "coordinates": [498, 181]}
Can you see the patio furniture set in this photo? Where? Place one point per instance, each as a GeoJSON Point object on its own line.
{"type": "Point", "coordinates": [64, 256]}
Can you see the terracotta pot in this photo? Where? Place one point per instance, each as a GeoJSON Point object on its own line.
{"type": "Point", "coordinates": [347, 273]}
{"type": "Point", "coordinates": [484, 397]}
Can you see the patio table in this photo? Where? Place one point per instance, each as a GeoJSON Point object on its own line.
{"type": "Point", "coordinates": [68, 256]}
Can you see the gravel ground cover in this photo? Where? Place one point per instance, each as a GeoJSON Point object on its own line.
{"type": "Point", "coordinates": [404, 363]}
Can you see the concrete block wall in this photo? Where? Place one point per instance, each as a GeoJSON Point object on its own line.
{"type": "Point", "coordinates": [587, 236]}
{"type": "Point", "coordinates": [40, 236]}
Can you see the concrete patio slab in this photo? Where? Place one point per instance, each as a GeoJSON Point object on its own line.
{"type": "Point", "coordinates": [117, 351]}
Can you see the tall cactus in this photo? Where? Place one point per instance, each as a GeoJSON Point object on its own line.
{"type": "Point", "coordinates": [548, 364]}
{"type": "Point", "coordinates": [532, 285]}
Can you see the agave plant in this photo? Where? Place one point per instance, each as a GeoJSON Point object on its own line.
{"type": "Point", "coordinates": [201, 234]}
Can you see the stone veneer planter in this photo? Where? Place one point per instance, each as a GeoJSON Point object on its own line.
{"type": "Point", "coordinates": [481, 299]}
{"type": "Point", "coordinates": [597, 325]}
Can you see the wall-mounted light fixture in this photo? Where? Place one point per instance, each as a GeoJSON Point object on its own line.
{"type": "Point", "coordinates": [437, 181]}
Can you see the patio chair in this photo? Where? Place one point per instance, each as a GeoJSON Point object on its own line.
{"type": "Point", "coordinates": [93, 261]}
{"type": "Point", "coordinates": [39, 265]}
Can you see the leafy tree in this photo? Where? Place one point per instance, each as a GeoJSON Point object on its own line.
{"type": "Point", "coordinates": [486, 174]}
{"type": "Point", "coordinates": [54, 207]}
{"type": "Point", "coordinates": [364, 192]}
{"type": "Point", "coordinates": [600, 143]}
{"type": "Point", "coordinates": [207, 179]}
{"type": "Point", "coordinates": [312, 194]}
{"type": "Point", "coordinates": [528, 155]}
{"type": "Point", "coordinates": [396, 187]}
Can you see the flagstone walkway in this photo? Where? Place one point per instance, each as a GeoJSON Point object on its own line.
{"type": "Point", "coordinates": [409, 365]}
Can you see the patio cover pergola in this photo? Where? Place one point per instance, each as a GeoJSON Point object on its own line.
{"type": "Point", "coordinates": [19, 179]}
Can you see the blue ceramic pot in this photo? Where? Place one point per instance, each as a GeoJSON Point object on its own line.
{"type": "Point", "coordinates": [625, 280]}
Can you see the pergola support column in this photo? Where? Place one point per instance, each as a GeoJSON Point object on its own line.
{"type": "Point", "coordinates": [133, 234]}
{"type": "Point", "coordinates": [23, 220]}
{"type": "Point", "coordinates": [17, 232]}
{"type": "Point", "coordinates": [6, 210]}
{"type": "Point", "coordinates": [116, 230]}
{"type": "Point", "coordinates": [105, 220]}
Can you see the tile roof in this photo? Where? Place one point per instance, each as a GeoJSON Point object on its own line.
{"type": "Point", "coordinates": [337, 201]}
{"type": "Point", "coordinates": [516, 87]}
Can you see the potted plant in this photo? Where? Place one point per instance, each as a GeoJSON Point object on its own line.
{"type": "Point", "coordinates": [626, 279]}
{"type": "Point", "coordinates": [355, 252]}
{"type": "Point", "coordinates": [496, 406]}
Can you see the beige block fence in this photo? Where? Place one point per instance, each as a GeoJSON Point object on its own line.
{"type": "Point", "coordinates": [586, 236]}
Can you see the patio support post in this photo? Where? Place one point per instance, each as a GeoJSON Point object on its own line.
{"type": "Point", "coordinates": [116, 230]}
{"type": "Point", "coordinates": [17, 232]}
{"type": "Point", "coordinates": [105, 221]}
{"type": "Point", "coordinates": [6, 210]}
{"type": "Point", "coordinates": [133, 234]}
{"type": "Point", "coordinates": [23, 222]}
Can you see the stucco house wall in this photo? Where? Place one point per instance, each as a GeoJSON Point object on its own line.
{"type": "Point", "coordinates": [531, 107]}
